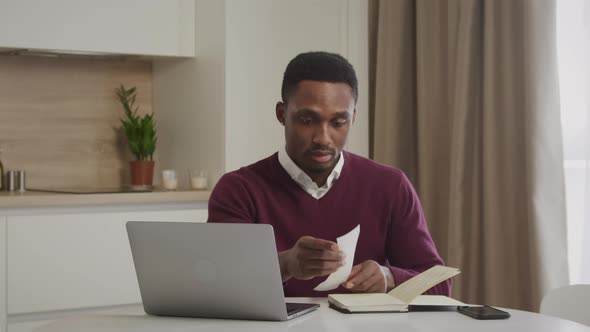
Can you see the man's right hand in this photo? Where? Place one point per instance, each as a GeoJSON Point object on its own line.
{"type": "Point", "coordinates": [309, 258]}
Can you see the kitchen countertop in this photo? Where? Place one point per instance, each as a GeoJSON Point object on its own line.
{"type": "Point", "coordinates": [30, 199]}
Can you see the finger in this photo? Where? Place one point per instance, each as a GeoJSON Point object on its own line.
{"type": "Point", "coordinates": [313, 254]}
{"type": "Point", "coordinates": [355, 270]}
{"type": "Point", "coordinates": [376, 279]}
{"type": "Point", "coordinates": [318, 244]}
{"type": "Point", "coordinates": [377, 287]}
{"type": "Point", "coordinates": [367, 270]}
{"type": "Point", "coordinates": [362, 285]}
{"type": "Point", "coordinates": [321, 265]}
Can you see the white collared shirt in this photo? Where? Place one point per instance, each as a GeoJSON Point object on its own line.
{"type": "Point", "coordinates": [304, 180]}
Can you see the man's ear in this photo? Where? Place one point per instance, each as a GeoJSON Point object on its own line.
{"type": "Point", "coordinates": [353, 115]}
{"type": "Point", "coordinates": [280, 112]}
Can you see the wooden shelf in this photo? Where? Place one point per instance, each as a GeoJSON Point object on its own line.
{"type": "Point", "coordinates": [32, 199]}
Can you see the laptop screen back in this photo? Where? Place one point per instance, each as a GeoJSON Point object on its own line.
{"type": "Point", "coordinates": [208, 270]}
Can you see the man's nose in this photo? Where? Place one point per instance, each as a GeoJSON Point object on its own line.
{"type": "Point", "coordinates": [321, 135]}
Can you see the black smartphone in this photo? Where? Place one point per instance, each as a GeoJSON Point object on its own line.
{"type": "Point", "coordinates": [483, 312]}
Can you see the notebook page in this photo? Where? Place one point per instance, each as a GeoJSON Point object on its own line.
{"type": "Point", "coordinates": [435, 300]}
{"type": "Point", "coordinates": [417, 285]}
{"type": "Point", "coordinates": [361, 299]}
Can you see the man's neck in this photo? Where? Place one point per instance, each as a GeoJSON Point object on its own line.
{"type": "Point", "coordinates": [320, 178]}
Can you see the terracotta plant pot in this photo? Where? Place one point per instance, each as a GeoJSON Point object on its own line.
{"type": "Point", "coordinates": [142, 172]}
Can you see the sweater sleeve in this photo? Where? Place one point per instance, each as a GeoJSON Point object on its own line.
{"type": "Point", "coordinates": [410, 249]}
{"type": "Point", "coordinates": [231, 201]}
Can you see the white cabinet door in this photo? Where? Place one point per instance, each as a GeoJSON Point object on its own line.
{"type": "Point", "coordinates": [68, 261]}
{"type": "Point", "coordinates": [147, 27]}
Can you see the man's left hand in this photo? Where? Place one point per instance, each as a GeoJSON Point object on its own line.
{"type": "Point", "coordinates": [369, 277]}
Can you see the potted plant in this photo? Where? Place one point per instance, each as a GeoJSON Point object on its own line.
{"type": "Point", "coordinates": [141, 138]}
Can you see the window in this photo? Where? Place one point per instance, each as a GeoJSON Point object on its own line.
{"type": "Point", "coordinates": [573, 51]}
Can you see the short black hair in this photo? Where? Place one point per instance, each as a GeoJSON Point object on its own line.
{"type": "Point", "coordinates": [318, 66]}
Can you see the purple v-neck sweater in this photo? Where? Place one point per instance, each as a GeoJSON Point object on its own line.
{"type": "Point", "coordinates": [378, 197]}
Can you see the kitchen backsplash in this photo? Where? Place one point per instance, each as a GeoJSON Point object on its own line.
{"type": "Point", "coordinates": [59, 119]}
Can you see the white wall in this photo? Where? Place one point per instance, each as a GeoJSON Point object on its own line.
{"type": "Point", "coordinates": [261, 37]}
{"type": "Point", "coordinates": [216, 111]}
{"type": "Point", "coordinates": [357, 52]}
{"type": "Point", "coordinates": [189, 100]}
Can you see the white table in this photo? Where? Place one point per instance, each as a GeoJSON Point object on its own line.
{"type": "Point", "coordinates": [133, 318]}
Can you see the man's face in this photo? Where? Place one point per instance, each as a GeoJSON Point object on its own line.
{"type": "Point", "coordinates": [317, 117]}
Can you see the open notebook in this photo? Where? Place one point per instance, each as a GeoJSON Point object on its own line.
{"type": "Point", "coordinates": [403, 297]}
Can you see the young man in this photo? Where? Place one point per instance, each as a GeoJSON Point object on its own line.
{"type": "Point", "coordinates": [313, 192]}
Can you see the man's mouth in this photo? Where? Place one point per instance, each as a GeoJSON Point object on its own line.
{"type": "Point", "coordinates": [321, 156]}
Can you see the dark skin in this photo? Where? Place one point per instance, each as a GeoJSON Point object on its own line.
{"type": "Point", "coordinates": [317, 118]}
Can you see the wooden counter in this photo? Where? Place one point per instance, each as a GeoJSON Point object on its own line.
{"type": "Point", "coordinates": [30, 199]}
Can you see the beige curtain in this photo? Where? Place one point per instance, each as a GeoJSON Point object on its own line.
{"type": "Point", "coordinates": [465, 101]}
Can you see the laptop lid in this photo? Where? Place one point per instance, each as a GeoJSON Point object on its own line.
{"type": "Point", "coordinates": [208, 270]}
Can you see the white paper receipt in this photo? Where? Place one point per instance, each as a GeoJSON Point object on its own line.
{"type": "Point", "coordinates": [347, 244]}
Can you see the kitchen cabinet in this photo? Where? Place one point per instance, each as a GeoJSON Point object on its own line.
{"type": "Point", "coordinates": [73, 261]}
{"type": "Point", "coordinates": [142, 27]}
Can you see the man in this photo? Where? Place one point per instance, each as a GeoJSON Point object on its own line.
{"type": "Point", "coordinates": [313, 192]}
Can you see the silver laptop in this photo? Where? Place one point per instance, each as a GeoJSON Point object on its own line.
{"type": "Point", "coordinates": [210, 270]}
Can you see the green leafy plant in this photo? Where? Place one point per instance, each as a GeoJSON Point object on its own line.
{"type": "Point", "coordinates": [140, 130]}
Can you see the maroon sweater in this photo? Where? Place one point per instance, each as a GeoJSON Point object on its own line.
{"type": "Point", "coordinates": [379, 198]}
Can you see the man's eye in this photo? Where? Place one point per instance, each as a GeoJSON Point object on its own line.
{"type": "Point", "coordinates": [339, 123]}
{"type": "Point", "coordinates": [305, 120]}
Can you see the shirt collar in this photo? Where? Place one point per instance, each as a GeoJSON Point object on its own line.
{"type": "Point", "coordinates": [301, 177]}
